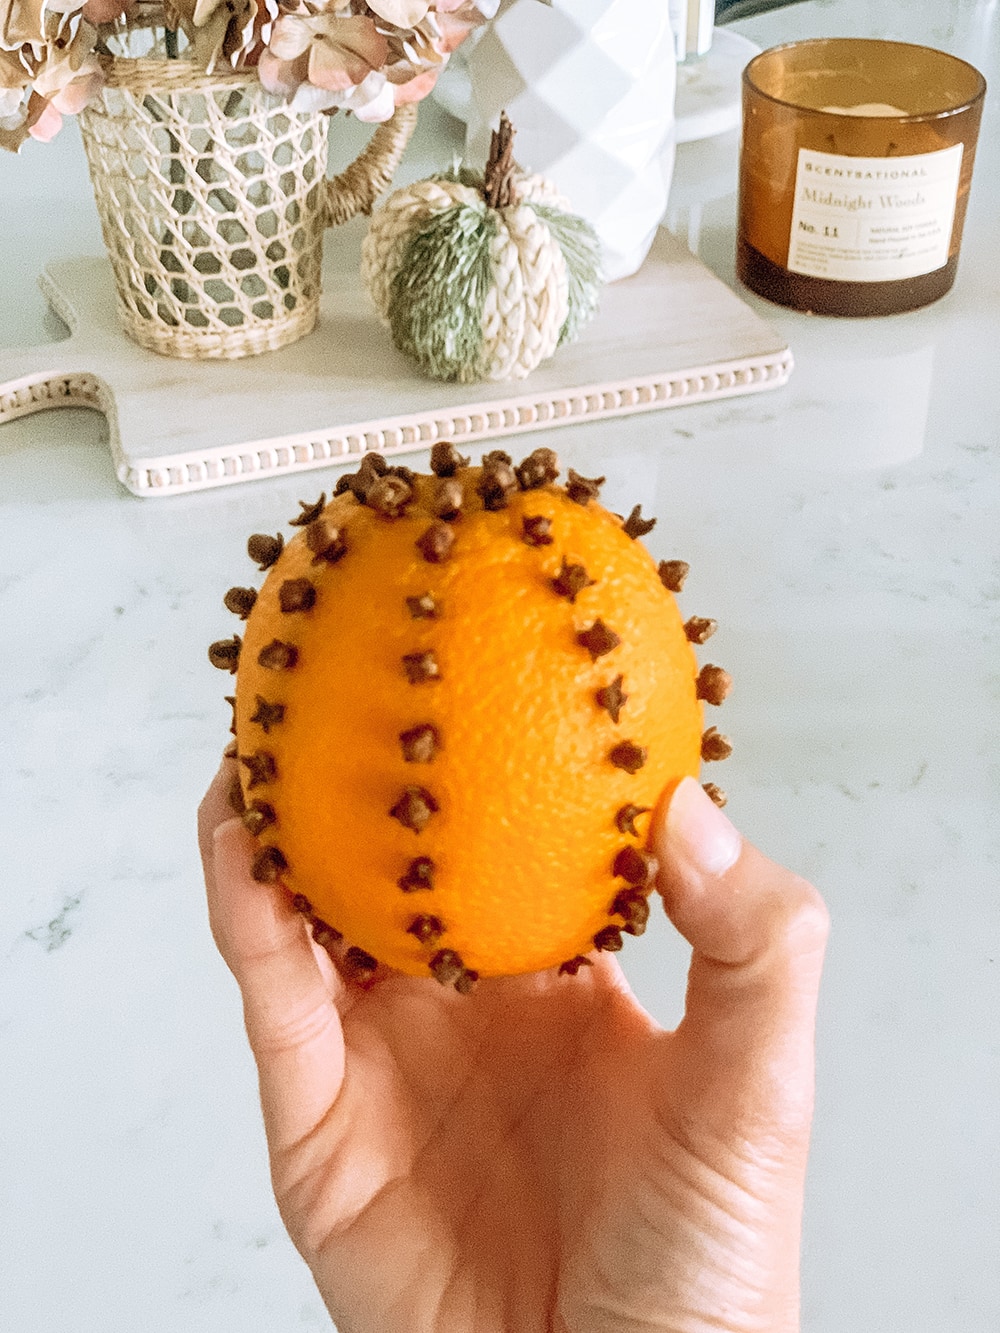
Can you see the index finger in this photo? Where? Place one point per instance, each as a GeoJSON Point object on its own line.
{"type": "Point", "coordinates": [217, 805]}
{"type": "Point", "coordinates": [291, 1017]}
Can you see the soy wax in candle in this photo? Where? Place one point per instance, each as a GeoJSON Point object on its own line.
{"type": "Point", "coordinates": [865, 109]}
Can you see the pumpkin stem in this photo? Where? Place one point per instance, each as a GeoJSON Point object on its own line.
{"type": "Point", "coordinates": [498, 178]}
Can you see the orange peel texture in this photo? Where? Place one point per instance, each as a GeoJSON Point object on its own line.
{"type": "Point", "coordinates": [458, 696]}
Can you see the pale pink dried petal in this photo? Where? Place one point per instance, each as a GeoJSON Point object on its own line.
{"type": "Point", "coordinates": [291, 37]}
{"type": "Point", "coordinates": [47, 125]}
{"type": "Point", "coordinates": [372, 101]}
{"type": "Point", "coordinates": [281, 77]}
{"type": "Point", "coordinates": [344, 52]}
{"type": "Point", "coordinates": [75, 95]}
{"type": "Point", "coordinates": [403, 13]}
{"type": "Point", "coordinates": [415, 89]}
{"type": "Point", "coordinates": [310, 98]}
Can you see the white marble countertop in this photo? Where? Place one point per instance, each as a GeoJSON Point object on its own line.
{"type": "Point", "coordinates": [845, 531]}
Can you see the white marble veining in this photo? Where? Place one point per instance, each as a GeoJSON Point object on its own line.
{"type": "Point", "coordinates": [845, 531]}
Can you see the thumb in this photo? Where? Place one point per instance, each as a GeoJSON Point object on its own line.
{"type": "Point", "coordinates": [758, 933]}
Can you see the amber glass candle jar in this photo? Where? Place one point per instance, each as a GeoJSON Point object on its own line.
{"type": "Point", "coordinates": [855, 168]}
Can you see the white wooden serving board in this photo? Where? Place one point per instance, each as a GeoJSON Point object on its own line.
{"type": "Point", "coordinates": [673, 334]}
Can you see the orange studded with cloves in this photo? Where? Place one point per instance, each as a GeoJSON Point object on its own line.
{"type": "Point", "coordinates": [456, 706]}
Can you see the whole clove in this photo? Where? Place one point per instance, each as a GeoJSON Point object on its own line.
{"type": "Point", "coordinates": [633, 908]}
{"type": "Point", "coordinates": [296, 595]}
{"type": "Point", "coordinates": [699, 629]}
{"type": "Point", "coordinates": [467, 979]}
{"type": "Point", "coordinates": [536, 530]}
{"type": "Point", "coordinates": [326, 541]}
{"type": "Point", "coordinates": [447, 966]}
{"type": "Point", "coordinates": [573, 965]}
{"type": "Point", "coordinates": [310, 512]}
{"type": "Point", "coordinates": [268, 865]}
{"type": "Point", "coordinates": [637, 868]}
{"type": "Point", "coordinates": [420, 744]}
{"type": "Point", "coordinates": [446, 460]}
{"type": "Point", "coordinates": [423, 607]}
{"type": "Point", "coordinates": [625, 818]}
{"type": "Point", "coordinates": [541, 466]}
{"type": "Point", "coordinates": [628, 756]}
{"type": "Point", "coordinates": [637, 526]}
{"type": "Point", "coordinates": [225, 653]}
{"type": "Point", "coordinates": [373, 464]}
{"type": "Point", "coordinates": [421, 667]}
{"type": "Point", "coordinates": [426, 929]}
{"type": "Point", "coordinates": [268, 715]}
{"type": "Point", "coordinates": [435, 544]}
{"type": "Point", "coordinates": [714, 684]}
{"type": "Point", "coordinates": [419, 875]}
{"type": "Point", "coordinates": [583, 489]}
{"type": "Point", "coordinates": [359, 483]}
{"type": "Point", "coordinates": [240, 601]}
{"type": "Point", "coordinates": [598, 640]}
{"type": "Point", "coordinates": [497, 482]}
{"type": "Point", "coordinates": [235, 796]}
{"type": "Point", "coordinates": [715, 794]}
{"type": "Point", "coordinates": [325, 936]}
{"type": "Point", "coordinates": [571, 580]}
{"type": "Point", "coordinates": [265, 549]}
{"type": "Point", "coordinates": [715, 746]}
{"type": "Point", "coordinates": [261, 768]}
{"type": "Point", "coordinates": [447, 499]}
{"type": "Point", "coordinates": [673, 573]}
{"type": "Point", "coordinates": [258, 816]}
{"type": "Point", "coordinates": [389, 495]}
{"type": "Point", "coordinates": [359, 965]}
{"type": "Point", "coordinates": [278, 656]}
{"type": "Point", "coordinates": [612, 698]}
{"type": "Point", "coordinates": [609, 939]}
{"type": "Point", "coordinates": [414, 808]}
{"type": "Point", "coordinates": [302, 904]}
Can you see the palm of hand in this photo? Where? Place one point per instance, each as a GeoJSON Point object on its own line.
{"type": "Point", "coordinates": [538, 1156]}
{"type": "Point", "coordinates": [460, 1177]}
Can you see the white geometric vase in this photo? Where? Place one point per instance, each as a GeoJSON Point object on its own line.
{"type": "Point", "coordinates": [589, 87]}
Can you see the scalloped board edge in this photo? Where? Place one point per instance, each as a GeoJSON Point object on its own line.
{"type": "Point", "coordinates": [672, 335]}
{"type": "Point", "coordinates": [226, 465]}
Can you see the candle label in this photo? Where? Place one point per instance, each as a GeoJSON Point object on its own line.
{"type": "Point", "coordinates": [873, 219]}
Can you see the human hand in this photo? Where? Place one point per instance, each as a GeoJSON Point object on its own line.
{"type": "Point", "coordinates": [539, 1156]}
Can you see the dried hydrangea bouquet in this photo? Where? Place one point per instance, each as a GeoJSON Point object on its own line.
{"type": "Point", "coordinates": [205, 127]}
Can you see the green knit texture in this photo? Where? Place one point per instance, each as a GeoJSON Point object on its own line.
{"type": "Point", "coordinates": [463, 175]}
{"type": "Point", "coordinates": [581, 252]}
{"type": "Point", "coordinates": [439, 293]}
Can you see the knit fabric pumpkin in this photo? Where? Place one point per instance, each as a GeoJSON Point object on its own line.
{"type": "Point", "coordinates": [458, 697]}
{"type": "Point", "coordinates": [481, 276]}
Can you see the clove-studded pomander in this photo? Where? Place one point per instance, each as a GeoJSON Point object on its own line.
{"type": "Point", "coordinates": [456, 737]}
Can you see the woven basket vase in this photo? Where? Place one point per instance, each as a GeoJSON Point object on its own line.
{"type": "Point", "coordinates": [213, 199]}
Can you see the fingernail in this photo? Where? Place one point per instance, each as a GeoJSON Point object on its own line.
{"type": "Point", "coordinates": [697, 832]}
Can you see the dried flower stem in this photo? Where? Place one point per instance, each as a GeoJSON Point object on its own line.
{"type": "Point", "coordinates": [500, 168]}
